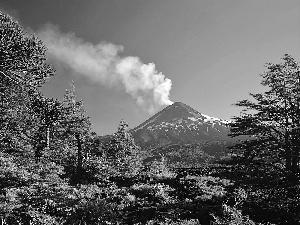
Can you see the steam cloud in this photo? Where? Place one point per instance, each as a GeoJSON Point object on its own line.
{"type": "Point", "coordinates": [101, 63]}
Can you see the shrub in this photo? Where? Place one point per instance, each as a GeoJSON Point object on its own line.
{"type": "Point", "coordinates": [207, 187]}
{"type": "Point", "coordinates": [99, 169]}
{"type": "Point", "coordinates": [155, 192]}
{"type": "Point", "coordinates": [231, 216]}
{"type": "Point", "coordinates": [11, 174]}
{"type": "Point", "coordinates": [160, 170]}
{"type": "Point", "coordinates": [174, 222]}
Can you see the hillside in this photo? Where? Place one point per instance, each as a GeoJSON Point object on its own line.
{"type": "Point", "coordinates": [180, 123]}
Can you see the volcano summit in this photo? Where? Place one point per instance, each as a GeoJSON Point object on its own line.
{"type": "Point", "coordinates": [180, 124]}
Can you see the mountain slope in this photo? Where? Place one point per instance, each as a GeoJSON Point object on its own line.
{"type": "Point", "coordinates": [179, 123]}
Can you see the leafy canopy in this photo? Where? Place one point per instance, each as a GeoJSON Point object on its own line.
{"type": "Point", "coordinates": [272, 120]}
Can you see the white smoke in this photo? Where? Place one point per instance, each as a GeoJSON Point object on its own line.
{"type": "Point", "coordinates": [102, 63]}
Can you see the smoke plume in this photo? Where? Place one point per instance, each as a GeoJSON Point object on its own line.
{"type": "Point", "coordinates": [102, 63]}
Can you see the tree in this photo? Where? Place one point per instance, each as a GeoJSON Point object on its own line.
{"type": "Point", "coordinates": [16, 118]}
{"type": "Point", "coordinates": [123, 153]}
{"type": "Point", "coordinates": [272, 121]}
{"type": "Point", "coordinates": [75, 125]}
{"type": "Point", "coordinates": [23, 69]}
{"type": "Point", "coordinates": [48, 112]}
{"type": "Point", "coordinates": [22, 55]}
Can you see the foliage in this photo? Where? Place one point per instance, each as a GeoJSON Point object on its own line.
{"type": "Point", "coordinates": [177, 222]}
{"type": "Point", "coordinates": [12, 174]}
{"type": "Point", "coordinates": [209, 187]}
{"type": "Point", "coordinates": [191, 155]}
{"type": "Point", "coordinates": [26, 188]}
{"type": "Point", "coordinates": [232, 216]}
{"type": "Point", "coordinates": [47, 111]}
{"type": "Point", "coordinates": [123, 153]}
{"type": "Point", "coordinates": [159, 193]}
{"type": "Point", "coordinates": [72, 129]}
{"type": "Point", "coordinates": [160, 170]}
{"type": "Point", "coordinates": [22, 55]}
{"type": "Point", "coordinates": [98, 168]}
{"type": "Point", "coordinates": [23, 68]}
{"type": "Point", "coordinates": [74, 119]}
{"type": "Point", "coordinates": [93, 205]}
{"type": "Point", "coordinates": [113, 186]}
{"type": "Point", "coordinates": [272, 120]}
{"type": "Point", "coordinates": [270, 200]}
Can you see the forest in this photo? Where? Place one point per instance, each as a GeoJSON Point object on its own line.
{"type": "Point", "coordinates": [55, 170]}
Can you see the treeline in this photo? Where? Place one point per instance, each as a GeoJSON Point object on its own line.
{"type": "Point", "coordinates": [44, 141]}
{"type": "Point", "coordinates": [32, 124]}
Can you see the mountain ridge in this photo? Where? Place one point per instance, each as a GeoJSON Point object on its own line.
{"type": "Point", "coordinates": [180, 123]}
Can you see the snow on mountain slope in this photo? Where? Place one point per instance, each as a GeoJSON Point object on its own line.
{"type": "Point", "coordinates": [180, 123]}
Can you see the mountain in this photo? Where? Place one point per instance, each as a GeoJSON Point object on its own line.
{"type": "Point", "coordinates": [179, 124]}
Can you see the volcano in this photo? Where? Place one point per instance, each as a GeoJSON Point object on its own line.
{"type": "Point", "coordinates": [180, 124]}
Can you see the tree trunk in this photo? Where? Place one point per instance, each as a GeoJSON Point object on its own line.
{"type": "Point", "coordinates": [39, 151]}
{"type": "Point", "coordinates": [296, 139]}
{"type": "Point", "coordinates": [79, 154]}
{"type": "Point", "coordinates": [288, 154]}
{"type": "Point", "coordinates": [295, 161]}
{"type": "Point", "coordinates": [47, 137]}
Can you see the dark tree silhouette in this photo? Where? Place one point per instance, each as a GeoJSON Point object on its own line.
{"type": "Point", "coordinates": [272, 119]}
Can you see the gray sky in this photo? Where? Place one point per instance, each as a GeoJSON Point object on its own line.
{"type": "Point", "coordinates": [211, 51]}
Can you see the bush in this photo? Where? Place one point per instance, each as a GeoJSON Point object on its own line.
{"type": "Point", "coordinates": [159, 193]}
{"type": "Point", "coordinates": [160, 170]}
{"type": "Point", "coordinates": [11, 174]}
{"type": "Point", "coordinates": [231, 216]}
{"type": "Point", "coordinates": [173, 222]}
{"type": "Point", "coordinates": [99, 169]}
{"type": "Point", "coordinates": [207, 187]}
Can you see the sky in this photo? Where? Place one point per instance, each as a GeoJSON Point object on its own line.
{"type": "Point", "coordinates": [130, 59]}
